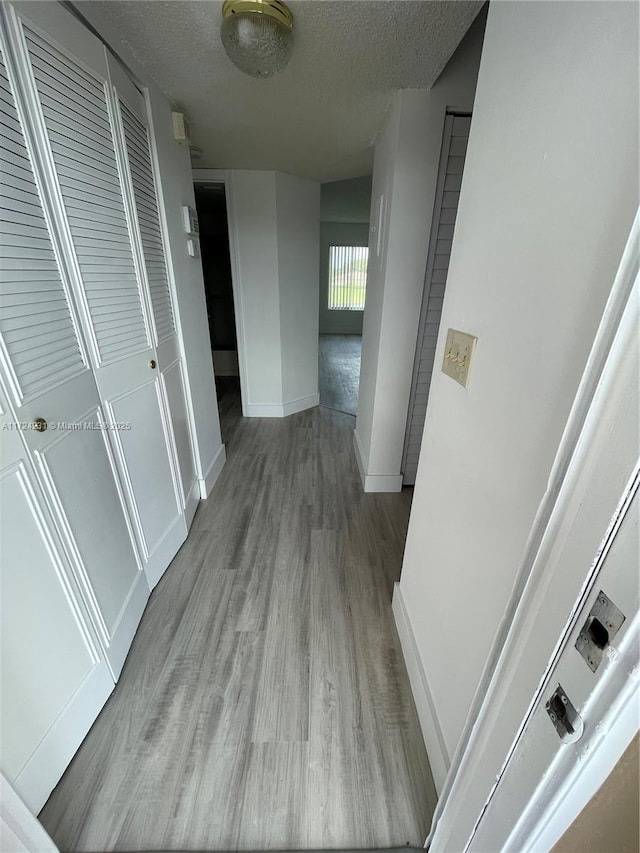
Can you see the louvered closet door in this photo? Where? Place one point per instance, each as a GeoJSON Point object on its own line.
{"type": "Point", "coordinates": [64, 586]}
{"type": "Point", "coordinates": [136, 144]}
{"type": "Point", "coordinates": [47, 374]}
{"type": "Point", "coordinates": [70, 81]}
{"type": "Point", "coordinates": [452, 157]}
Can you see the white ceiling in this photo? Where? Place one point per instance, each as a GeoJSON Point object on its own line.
{"type": "Point", "coordinates": [320, 116]}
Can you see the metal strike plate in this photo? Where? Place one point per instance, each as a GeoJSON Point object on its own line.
{"type": "Point", "coordinates": [603, 623]}
{"type": "Point", "coordinates": [566, 720]}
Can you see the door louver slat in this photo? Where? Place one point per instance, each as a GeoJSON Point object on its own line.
{"type": "Point", "coordinates": [431, 312]}
{"type": "Point", "coordinates": [37, 329]}
{"type": "Point", "coordinates": [144, 191]}
{"type": "Point", "coordinates": [77, 119]}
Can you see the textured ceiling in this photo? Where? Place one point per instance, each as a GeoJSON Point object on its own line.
{"type": "Point", "coordinates": [320, 116]}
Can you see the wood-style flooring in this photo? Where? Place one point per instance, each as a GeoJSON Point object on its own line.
{"type": "Point", "coordinates": [264, 703]}
{"type": "Point", "coordinates": [339, 372]}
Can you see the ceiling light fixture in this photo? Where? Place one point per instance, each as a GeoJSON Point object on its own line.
{"type": "Point", "coordinates": [257, 35]}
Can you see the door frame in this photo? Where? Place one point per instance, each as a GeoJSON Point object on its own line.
{"type": "Point", "coordinates": [18, 826]}
{"type": "Point", "coordinates": [498, 713]}
{"type": "Point", "coordinates": [201, 177]}
{"type": "Point", "coordinates": [445, 147]}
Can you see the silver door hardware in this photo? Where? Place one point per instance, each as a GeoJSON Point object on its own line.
{"type": "Point", "coordinates": [603, 623]}
{"type": "Point", "coordinates": [566, 720]}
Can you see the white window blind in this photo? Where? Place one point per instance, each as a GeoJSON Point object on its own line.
{"type": "Point", "coordinates": [347, 277]}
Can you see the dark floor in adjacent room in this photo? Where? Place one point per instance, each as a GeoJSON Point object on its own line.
{"type": "Point", "coordinates": [265, 702]}
{"type": "Point", "coordinates": [339, 372]}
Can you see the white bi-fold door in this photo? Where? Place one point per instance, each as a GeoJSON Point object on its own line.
{"type": "Point", "coordinates": [96, 145]}
{"type": "Point", "coordinates": [93, 502]}
{"type": "Point", "coordinates": [73, 588]}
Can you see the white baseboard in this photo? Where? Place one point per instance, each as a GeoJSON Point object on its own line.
{"type": "Point", "coordinates": [19, 829]}
{"type": "Point", "coordinates": [283, 411]}
{"type": "Point", "coordinates": [300, 404]}
{"type": "Point", "coordinates": [165, 550]}
{"type": "Point", "coordinates": [51, 757]}
{"type": "Point", "coordinates": [192, 501]}
{"type": "Point", "coordinates": [213, 472]}
{"type": "Point", "coordinates": [360, 457]}
{"type": "Point", "coordinates": [127, 624]}
{"type": "Point", "coordinates": [383, 483]}
{"type": "Point", "coordinates": [374, 482]}
{"type": "Point", "coordinates": [432, 733]}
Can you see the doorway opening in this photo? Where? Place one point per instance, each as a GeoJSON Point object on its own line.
{"type": "Point", "coordinates": [344, 254]}
{"type": "Point", "coordinates": [211, 204]}
{"type": "Point", "coordinates": [344, 279]}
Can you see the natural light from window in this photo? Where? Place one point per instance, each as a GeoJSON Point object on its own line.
{"type": "Point", "coordinates": [347, 277]}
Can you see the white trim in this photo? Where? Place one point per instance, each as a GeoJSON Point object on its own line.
{"type": "Point", "coordinates": [281, 411]}
{"type": "Point", "coordinates": [361, 459]}
{"type": "Point", "coordinates": [20, 830]}
{"type": "Point", "coordinates": [203, 176]}
{"type": "Point", "coordinates": [374, 482]}
{"type": "Point", "coordinates": [42, 771]}
{"type": "Point", "coordinates": [535, 619]}
{"type": "Point", "coordinates": [581, 769]}
{"type": "Point", "coordinates": [126, 624]}
{"type": "Point", "coordinates": [213, 472]}
{"type": "Point", "coordinates": [192, 501]}
{"type": "Point", "coordinates": [439, 759]}
{"type": "Point", "coordinates": [300, 404]}
{"type": "Point", "coordinates": [165, 550]}
{"type": "Point", "coordinates": [262, 411]}
{"type": "Point", "coordinates": [383, 483]}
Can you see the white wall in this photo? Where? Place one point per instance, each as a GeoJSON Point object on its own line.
{"type": "Point", "coordinates": [346, 201]}
{"type": "Point", "coordinates": [252, 218]}
{"type": "Point", "coordinates": [548, 197]}
{"type": "Point", "coordinates": [176, 189]}
{"type": "Point", "coordinates": [274, 225]}
{"type": "Point", "coordinates": [339, 234]}
{"type": "Point", "coordinates": [404, 183]}
{"type": "Point", "coordinates": [298, 213]}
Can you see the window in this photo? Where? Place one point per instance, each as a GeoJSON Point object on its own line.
{"type": "Point", "coordinates": [347, 277]}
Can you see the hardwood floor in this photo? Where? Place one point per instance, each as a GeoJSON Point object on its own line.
{"type": "Point", "coordinates": [264, 703]}
{"type": "Point", "coordinates": [339, 372]}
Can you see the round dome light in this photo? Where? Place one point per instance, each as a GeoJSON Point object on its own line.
{"type": "Point", "coordinates": [257, 35]}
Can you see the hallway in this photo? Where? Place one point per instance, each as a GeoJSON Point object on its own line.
{"type": "Point", "coordinates": [339, 372]}
{"type": "Point", "coordinates": [264, 702]}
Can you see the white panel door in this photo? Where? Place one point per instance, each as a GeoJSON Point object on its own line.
{"type": "Point", "coordinates": [65, 69]}
{"type": "Point", "coordinates": [45, 372]}
{"type": "Point", "coordinates": [136, 144]}
{"type": "Point", "coordinates": [54, 678]}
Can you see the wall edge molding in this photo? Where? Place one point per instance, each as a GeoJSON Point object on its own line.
{"type": "Point", "coordinates": [213, 472]}
{"type": "Point", "coordinates": [439, 760]}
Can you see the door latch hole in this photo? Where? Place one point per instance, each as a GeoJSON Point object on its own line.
{"type": "Point", "coordinates": [599, 634]}
{"type": "Point", "coordinates": [599, 630]}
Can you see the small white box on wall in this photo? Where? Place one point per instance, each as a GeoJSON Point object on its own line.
{"type": "Point", "coordinates": [190, 220]}
{"type": "Point", "coordinates": [181, 129]}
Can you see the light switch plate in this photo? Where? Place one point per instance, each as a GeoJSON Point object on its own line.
{"type": "Point", "coordinates": [458, 355]}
